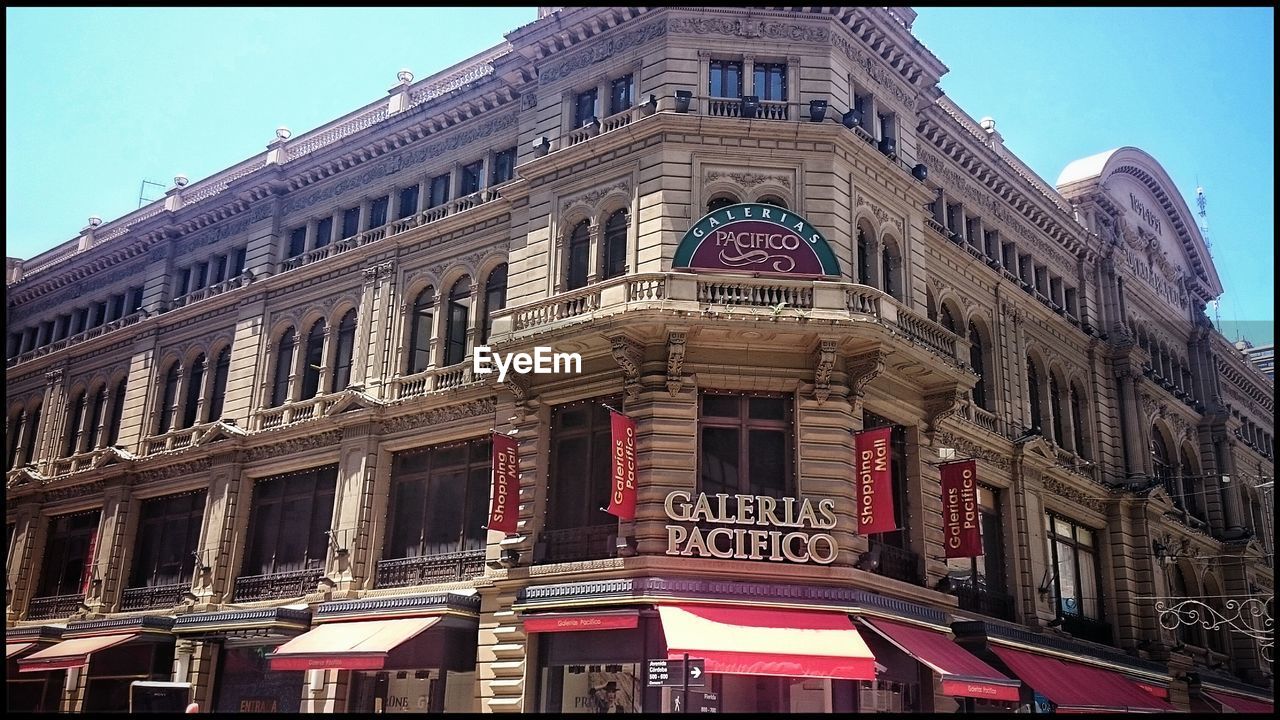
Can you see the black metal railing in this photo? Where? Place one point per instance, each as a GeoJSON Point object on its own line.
{"type": "Point", "coordinates": [53, 606]}
{"type": "Point", "coordinates": [593, 542]}
{"type": "Point", "coordinates": [277, 585]}
{"type": "Point", "coordinates": [427, 569]}
{"type": "Point", "coordinates": [987, 602]}
{"type": "Point", "coordinates": [142, 598]}
{"type": "Point", "coordinates": [895, 562]}
{"type": "Point", "coordinates": [1086, 629]}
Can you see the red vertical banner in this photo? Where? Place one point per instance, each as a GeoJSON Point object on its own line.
{"type": "Point", "coordinates": [961, 519]}
{"type": "Point", "coordinates": [505, 504]}
{"type": "Point", "coordinates": [874, 477]}
{"type": "Point", "coordinates": [622, 481]}
{"type": "Point", "coordinates": [89, 564]}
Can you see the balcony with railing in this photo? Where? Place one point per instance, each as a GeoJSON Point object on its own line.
{"type": "Point", "coordinates": [594, 542]}
{"type": "Point", "coordinates": [985, 601]}
{"type": "Point", "coordinates": [894, 562]}
{"type": "Point", "coordinates": [1087, 629]}
{"type": "Point", "coordinates": [985, 419]}
{"type": "Point", "coordinates": [154, 596]}
{"type": "Point", "coordinates": [53, 606]}
{"type": "Point", "coordinates": [296, 411]}
{"type": "Point", "coordinates": [450, 377]}
{"type": "Point", "coordinates": [209, 291]}
{"type": "Point", "coordinates": [176, 439]}
{"type": "Point", "coordinates": [91, 333]}
{"type": "Point", "coordinates": [732, 107]}
{"type": "Point", "coordinates": [429, 569]}
{"type": "Point", "coordinates": [274, 586]}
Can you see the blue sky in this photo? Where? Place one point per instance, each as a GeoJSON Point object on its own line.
{"type": "Point", "coordinates": [99, 99]}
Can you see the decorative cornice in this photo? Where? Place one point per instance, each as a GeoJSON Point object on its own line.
{"type": "Point", "coordinates": [439, 416]}
{"type": "Point", "coordinates": [971, 449]}
{"type": "Point", "coordinates": [750, 28]}
{"type": "Point", "coordinates": [629, 354]}
{"type": "Point", "coordinates": [1061, 489]}
{"type": "Point", "coordinates": [746, 179]}
{"type": "Point", "coordinates": [863, 368]}
{"type": "Point", "coordinates": [602, 51]}
{"type": "Point", "coordinates": [111, 626]}
{"type": "Point", "coordinates": [941, 405]}
{"type": "Point", "coordinates": [675, 360]}
{"type": "Point", "coordinates": [590, 198]}
{"type": "Point", "coordinates": [824, 361]}
{"type": "Point", "coordinates": [199, 622]}
{"type": "Point", "coordinates": [296, 445]}
{"type": "Point", "coordinates": [469, 604]}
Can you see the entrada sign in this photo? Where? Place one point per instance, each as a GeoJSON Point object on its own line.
{"type": "Point", "coordinates": [757, 544]}
{"type": "Point", "coordinates": [756, 238]}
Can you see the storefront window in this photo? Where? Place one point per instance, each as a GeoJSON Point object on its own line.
{"type": "Point", "coordinates": [113, 670]}
{"type": "Point", "coordinates": [247, 684]}
{"type": "Point", "coordinates": [887, 696]}
{"type": "Point", "coordinates": [413, 691]}
{"type": "Point", "coordinates": [67, 553]}
{"type": "Point", "coordinates": [607, 688]}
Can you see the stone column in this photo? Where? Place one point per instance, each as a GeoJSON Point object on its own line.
{"type": "Point", "coordinates": [351, 562]}
{"type": "Point", "coordinates": [22, 565]}
{"type": "Point", "coordinates": [1134, 465]}
{"type": "Point", "coordinates": [226, 518]}
{"type": "Point", "coordinates": [116, 530]}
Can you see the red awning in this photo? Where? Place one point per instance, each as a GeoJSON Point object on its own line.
{"type": "Point", "coordinates": [70, 653]}
{"type": "Point", "coordinates": [1075, 687]}
{"type": "Point", "coordinates": [348, 645]}
{"type": "Point", "coordinates": [569, 622]}
{"type": "Point", "coordinates": [963, 674]}
{"type": "Point", "coordinates": [1240, 703]}
{"type": "Point", "coordinates": [766, 641]}
{"type": "Point", "coordinates": [11, 649]}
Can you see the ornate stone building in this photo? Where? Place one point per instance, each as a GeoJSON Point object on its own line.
{"type": "Point", "coordinates": [247, 447]}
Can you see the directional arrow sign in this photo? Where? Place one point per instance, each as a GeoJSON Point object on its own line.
{"type": "Point", "coordinates": [671, 673]}
{"type": "Point", "coordinates": [696, 671]}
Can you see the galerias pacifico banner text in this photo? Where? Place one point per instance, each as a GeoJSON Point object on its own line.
{"type": "Point", "coordinates": [874, 481]}
{"type": "Point", "coordinates": [961, 533]}
{"type": "Point", "coordinates": [504, 508]}
{"type": "Point", "coordinates": [622, 481]}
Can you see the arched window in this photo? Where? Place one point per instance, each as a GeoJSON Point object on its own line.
{"type": "Point", "coordinates": [1185, 633]}
{"type": "Point", "coordinates": [579, 256]}
{"type": "Point", "coordinates": [75, 423]}
{"type": "Point", "coordinates": [458, 314]}
{"type": "Point", "coordinates": [1033, 393]}
{"type": "Point", "coordinates": [313, 361]}
{"type": "Point", "coordinates": [191, 408]}
{"type": "Point", "coordinates": [168, 400]}
{"type": "Point", "coordinates": [95, 418]}
{"type": "Point", "coordinates": [930, 305]}
{"type": "Point", "coordinates": [284, 359]}
{"type": "Point", "coordinates": [772, 200]}
{"type": "Point", "coordinates": [1162, 466]}
{"type": "Point", "coordinates": [31, 432]}
{"type": "Point", "coordinates": [420, 326]}
{"type": "Point", "coordinates": [976, 351]}
{"type": "Point", "coordinates": [889, 269]}
{"type": "Point", "coordinates": [346, 352]}
{"type": "Point", "coordinates": [864, 257]}
{"type": "Point", "coordinates": [221, 371]}
{"type": "Point", "coordinates": [719, 201]}
{"type": "Point", "coordinates": [615, 244]}
{"type": "Point", "coordinates": [1077, 422]}
{"type": "Point", "coordinates": [495, 298]}
{"type": "Point", "coordinates": [1191, 486]}
{"type": "Point", "coordinates": [16, 425]}
{"type": "Point", "coordinates": [117, 413]}
{"type": "Point", "coordinates": [1055, 407]}
{"type": "Point", "coordinates": [946, 319]}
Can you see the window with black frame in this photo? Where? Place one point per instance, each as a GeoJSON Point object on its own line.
{"type": "Point", "coordinates": [472, 175]}
{"type": "Point", "coordinates": [579, 256]}
{"type": "Point", "coordinates": [421, 323]}
{"type": "Point", "coordinates": [64, 572]}
{"type": "Point", "coordinates": [725, 78]}
{"type": "Point", "coordinates": [495, 298]}
{"type": "Point", "coordinates": [457, 317]}
{"type": "Point", "coordinates": [439, 193]}
{"type": "Point", "coordinates": [745, 445]}
{"type": "Point", "coordinates": [891, 553]}
{"type": "Point", "coordinates": [577, 527]}
{"type": "Point", "coordinates": [620, 94]}
{"type": "Point", "coordinates": [439, 506]}
{"type": "Point", "coordinates": [980, 582]}
{"type": "Point", "coordinates": [615, 244]}
{"type": "Point", "coordinates": [351, 222]}
{"type": "Point", "coordinates": [504, 165]}
{"type": "Point", "coordinates": [584, 107]}
{"type": "Point", "coordinates": [1077, 587]}
{"type": "Point", "coordinates": [165, 555]}
{"type": "Point", "coordinates": [288, 534]}
{"type": "Point", "coordinates": [770, 81]}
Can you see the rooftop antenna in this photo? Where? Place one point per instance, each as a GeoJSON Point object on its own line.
{"type": "Point", "coordinates": [142, 189]}
{"type": "Point", "coordinates": [1201, 203]}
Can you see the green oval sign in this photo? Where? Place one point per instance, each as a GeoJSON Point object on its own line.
{"type": "Point", "coordinates": [756, 238]}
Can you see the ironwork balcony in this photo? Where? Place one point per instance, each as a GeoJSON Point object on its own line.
{"type": "Point", "coordinates": [277, 585]}
{"type": "Point", "coordinates": [142, 598]}
{"type": "Point", "coordinates": [428, 569]}
{"type": "Point", "coordinates": [986, 602]}
{"type": "Point", "coordinates": [895, 562]}
{"type": "Point", "coordinates": [593, 542]}
{"type": "Point", "coordinates": [1086, 629]}
{"type": "Point", "coordinates": [53, 606]}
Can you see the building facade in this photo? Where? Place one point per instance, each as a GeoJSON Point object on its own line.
{"type": "Point", "coordinates": [1263, 357]}
{"type": "Point", "coordinates": [248, 448]}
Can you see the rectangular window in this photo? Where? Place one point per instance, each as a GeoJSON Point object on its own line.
{"type": "Point", "coordinates": [584, 107]}
{"type": "Point", "coordinates": [1076, 586]}
{"type": "Point", "coordinates": [67, 554]}
{"type": "Point", "coordinates": [985, 573]}
{"type": "Point", "coordinates": [1041, 280]}
{"type": "Point", "coordinates": [237, 263]}
{"type": "Point", "coordinates": [297, 241]}
{"type": "Point", "coordinates": [46, 328]}
{"type": "Point", "coordinates": [770, 81]}
{"type": "Point", "coordinates": [580, 447]}
{"type": "Point", "coordinates": [290, 520]}
{"type": "Point", "coordinates": [955, 220]}
{"type": "Point", "coordinates": [168, 530]}
{"type": "Point", "coordinates": [471, 175]}
{"type": "Point", "coordinates": [182, 284]}
{"type": "Point", "coordinates": [200, 275]}
{"type": "Point", "coordinates": [899, 538]}
{"type": "Point", "coordinates": [60, 325]}
{"type": "Point", "coordinates": [1007, 256]}
{"type": "Point", "coordinates": [324, 231]}
{"type": "Point", "coordinates": [1055, 291]}
{"type": "Point", "coordinates": [408, 202]}
{"type": "Point", "coordinates": [1069, 297]}
{"type": "Point", "coordinates": [77, 320]}
{"type": "Point", "coordinates": [888, 127]}
{"type": "Point", "coordinates": [439, 190]}
{"type": "Point", "coordinates": [440, 499]}
{"type": "Point", "coordinates": [504, 165]}
{"type": "Point", "coordinates": [971, 231]}
{"type": "Point", "coordinates": [378, 211]}
{"type": "Point", "coordinates": [620, 94]}
{"type": "Point", "coordinates": [725, 78]}
{"type": "Point", "coordinates": [990, 242]}
{"type": "Point", "coordinates": [1024, 269]}
{"type": "Point", "coordinates": [745, 445]}
{"type": "Point", "coordinates": [217, 269]}
{"type": "Point", "coordinates": [351, 222]}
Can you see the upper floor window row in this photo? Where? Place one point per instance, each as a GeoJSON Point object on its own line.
{"type": "Point", "coordinates": [610, 97]}
{"type": "Point", "coordinates": [80, 320]}
{"type": "Point", "coordinates": [208, 273]}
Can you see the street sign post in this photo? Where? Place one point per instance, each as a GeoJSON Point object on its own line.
{"type": "Point", "coordinates": [683, 673]}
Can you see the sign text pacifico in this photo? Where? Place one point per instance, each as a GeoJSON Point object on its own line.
{"type": "Point", "coordinates": [755, 238]}
{"type": "Point", "coordinates": [761, 542]}
{"type": "Point", "coordinates": [622, 490]}
{"type": "Point", "coordinates": [961, 534]}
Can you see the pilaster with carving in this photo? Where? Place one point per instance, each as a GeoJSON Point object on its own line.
{"type": "Point", "coordinates": [630, 355]}
{"type": "Point", "coordinates": [675, 359]}
{"type": "Point", "coordinates": [824, 361]}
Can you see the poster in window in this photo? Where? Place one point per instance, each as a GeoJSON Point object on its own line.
{"type": "Point", "coordinates": [600, 689]}
{"type": "Point", "coordinates": [622, 490]}
{"type": "Point", "coordinates": [874, 480]}
{"type": "Point", "coordinates": [961, 531]}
